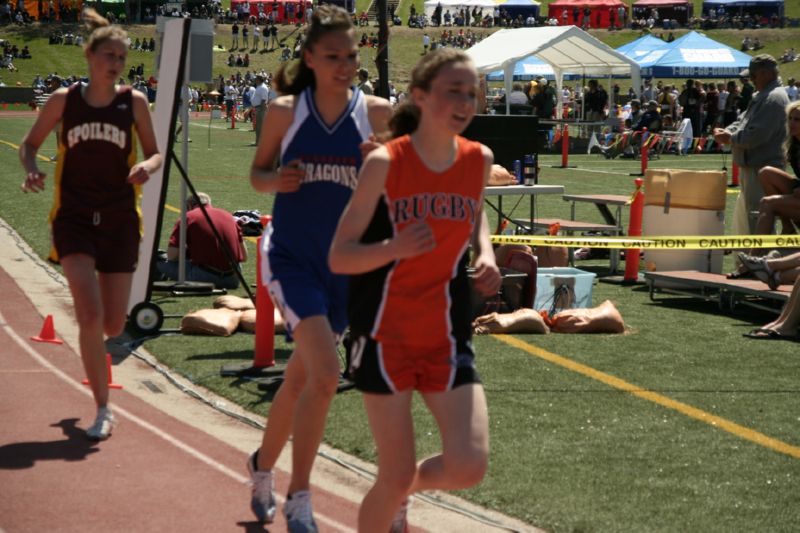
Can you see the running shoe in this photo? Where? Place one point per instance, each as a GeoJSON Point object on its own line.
{"type": "Point", "coordinates": [103, 425]}
{"type": "Point", "coordinates": [299, 517]}
{"type": "Point", "coordinates": [262, 501]}
{"type": "Point", "coordinates": [400, 522]}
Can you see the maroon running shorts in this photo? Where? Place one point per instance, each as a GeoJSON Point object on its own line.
{"type": "Point", "coordinates": [111, 237]}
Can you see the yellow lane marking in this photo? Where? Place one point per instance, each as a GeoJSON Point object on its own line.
{"type": "Point", "coordinates": [16, 147]}
{"type": "Point", "coordinates": [688, 410]}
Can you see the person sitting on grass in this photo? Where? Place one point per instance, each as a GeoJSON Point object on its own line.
{"type": "Point", "coordinates": [207, 260]}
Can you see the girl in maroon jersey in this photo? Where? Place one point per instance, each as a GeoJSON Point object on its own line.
{"type": "Point", "coordinates": [95, 219]}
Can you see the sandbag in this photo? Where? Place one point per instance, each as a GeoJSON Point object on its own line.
{"type": "Point", "coordinates": [604, 318]}
{"type": "Point", "coordinates": [522, 320]}
{"type": "Point", "coordinates": [247, 323]}
{"type": "Point", "coordinates": [503, 252]}
{"type": "Point", "coordinates": [237, 303]}
{"type": "Point", "coordinates": [218, 322]}
{"type": "Point", "coordinates": [552, 256]}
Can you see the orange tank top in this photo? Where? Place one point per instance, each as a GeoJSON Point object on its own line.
{"type": "Point", "coordinates": [423, 300]}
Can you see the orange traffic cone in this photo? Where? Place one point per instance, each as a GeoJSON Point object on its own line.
{"type": "Point", "coordinates": [111, 384]}
{"type": "Point", "coordinates": [48, 333]}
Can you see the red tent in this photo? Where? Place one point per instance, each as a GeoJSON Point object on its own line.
{"type": "Point", "coordinates": [602, 13]}
{"type": "Point", "coordinates": [280, 6]}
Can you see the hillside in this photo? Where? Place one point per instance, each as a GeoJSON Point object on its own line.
{"type": "Point", "coordinates": [405, 48]}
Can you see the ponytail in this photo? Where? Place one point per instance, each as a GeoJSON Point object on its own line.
{"type": "Point", "coordinates": [102, 30]}
{"type": "Point", "coordinates": [405, 120]}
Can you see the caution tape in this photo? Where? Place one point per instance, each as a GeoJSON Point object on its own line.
{"type": "Point", "coordinates": [660, 242]}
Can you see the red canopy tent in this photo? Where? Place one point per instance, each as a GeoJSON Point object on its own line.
{"type": "Point", "coordinates": [287, 10]}
{"type": "Point", "coordinates": [603, 13]}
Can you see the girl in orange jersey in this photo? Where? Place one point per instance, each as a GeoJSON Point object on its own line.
{"type": "Point", "coordinates": [95, 219]}
{"type": "Point", "coordinates": [405, 238]}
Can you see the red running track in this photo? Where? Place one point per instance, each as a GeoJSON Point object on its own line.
{"type": "Point", "coordinates": [156, 473]}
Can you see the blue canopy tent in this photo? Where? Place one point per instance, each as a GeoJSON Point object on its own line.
{"type": "Point", "coordinates": [641, 47]}
{"type": "Point", "coordinates": [693, 56]}
{"type": "Point", "coordinates": [761, 8]}
{"type": "Point", "coordinates": [526, 8]}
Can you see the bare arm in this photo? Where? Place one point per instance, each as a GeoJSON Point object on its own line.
{"type": "Point", "coordinates": [487, 277]}
{"type": "Point", "coordinates": [348, 255]}
{"type": "Point", "coordinates": [47, 120]}
{"type": "Point", "coordinates": [172, 253]}
{"type": "Point", "coordinates": [140, 172]}
{"type": "Point", "coordinates": [265, 174]}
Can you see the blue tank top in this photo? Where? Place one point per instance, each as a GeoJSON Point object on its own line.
{"type": "Point", "coordinates": [303, 222]}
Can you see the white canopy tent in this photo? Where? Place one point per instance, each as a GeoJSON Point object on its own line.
{"type": "Point", "coordinates": [455, 5]}
{"type": "Point", "coordinates": [565, 48]}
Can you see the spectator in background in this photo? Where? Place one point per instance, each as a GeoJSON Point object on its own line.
{"type": "Point", "coordinates": [732, 104]}
{"type": "Point", "coordinates": [712, 107]}
{"type": "Point", "coordinates": [235, 36]}
{"type": "Point", "coordinates": [363, 81]}
{"type": "Point", "coordinates": [596, 102]}
{"type": "Point", "coordinates": [206, 258]}
{"type": "Point", "coordinates": [792, 90]}
{"type": "Point", "coordinates": [757, 138]}
{"type": "Point", "coordinates": [691, 100]}
{"type": "Point", "coordinates": [746, 92]}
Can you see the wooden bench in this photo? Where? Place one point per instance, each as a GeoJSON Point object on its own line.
{"type": "Point", "coordinates": [727, 293]}
{"type": "Point", "coordinates": [570, 227]}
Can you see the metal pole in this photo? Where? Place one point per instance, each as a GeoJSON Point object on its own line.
{"type": "Point", "coordinates": [382, 57]}
{"type": "Point", "coordinates": [185, 162]}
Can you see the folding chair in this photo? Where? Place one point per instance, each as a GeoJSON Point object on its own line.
{"type": "Point", "coordinates": [681, 138]}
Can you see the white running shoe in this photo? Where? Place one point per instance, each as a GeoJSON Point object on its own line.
{"type": "Point", "coordinates": [299, 517]}
{"type": "Point", "coordinates": [262, 501]}
{"type": "Point", "coordinates": [103, 425]}
{"type": "Point", "coordinates": [400, 522]}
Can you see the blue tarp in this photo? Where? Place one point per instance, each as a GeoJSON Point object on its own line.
{"type": "Point", "coordinates": [735, 7]}
{"type": "Point", "coordinates": [692, 56]}
{"type": "Point", "coordinates": [530, 68]}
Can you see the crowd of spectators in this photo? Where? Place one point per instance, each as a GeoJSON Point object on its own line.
{"type": "Point", "coordinates": [11, 52]}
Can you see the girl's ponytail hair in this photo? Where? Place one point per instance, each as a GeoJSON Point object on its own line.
{"type": "Point", "coordinates": [294, 77]}
{"type": "Point", "coordinates": [406, 117]}
{"type": "Point", "coordinates": [102, 30]}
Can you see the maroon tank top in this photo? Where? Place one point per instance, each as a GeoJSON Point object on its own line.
{"type": "Point", "coordinates": [98, 148]}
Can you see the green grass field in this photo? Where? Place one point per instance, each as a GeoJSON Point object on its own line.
{"type": "Point", "coordinates": [571, 450]}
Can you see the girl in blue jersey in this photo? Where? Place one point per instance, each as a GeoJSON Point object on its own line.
{"type": "Point", "coordinates": [95, 220]}
{"type": "Point", "coordinates": [316, 133]}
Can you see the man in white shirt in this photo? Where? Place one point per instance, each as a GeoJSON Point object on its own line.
{"type": "Point", "coordinates": [791, 90]}
{"type": "Point", "coordinates": [363, 82]}
{"type": "Point", "coordinates": [722, 99]}
{"type": "Point", "coordinates": [231, 95]}
{"type": "Point", "coordinates": [262, 96]}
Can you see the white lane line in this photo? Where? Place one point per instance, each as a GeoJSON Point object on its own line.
{"type": "Point", "coordinates": [197, 454]}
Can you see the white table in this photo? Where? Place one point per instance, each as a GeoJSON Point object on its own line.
{"type": "Point", "coordinates": [520, 190]}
